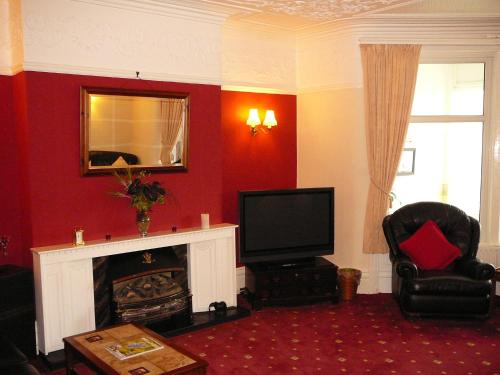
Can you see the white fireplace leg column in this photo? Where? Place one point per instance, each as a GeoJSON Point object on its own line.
{"type": "Point", "coordinates": [208, 276]}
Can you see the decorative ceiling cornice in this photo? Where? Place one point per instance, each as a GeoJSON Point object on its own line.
{"type": "Point", "coordinates": [164, 8]}
{"type": "Point", "coordinates": [413, 29]}
{"type": "Point", "coordinates": [317, 10]}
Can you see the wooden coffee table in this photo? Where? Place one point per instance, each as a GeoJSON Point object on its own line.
{"type": "Point", "coordinates": [90, 348]}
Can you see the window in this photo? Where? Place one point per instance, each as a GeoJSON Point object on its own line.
{"type": "Point", "coordinates": [446, 134]}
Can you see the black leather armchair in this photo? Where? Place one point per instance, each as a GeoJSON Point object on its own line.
{"type": "Point", "coordinates": [463, 289]}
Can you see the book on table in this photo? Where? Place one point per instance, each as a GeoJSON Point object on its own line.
{"type": "Point", "coordinates": [129, 348]}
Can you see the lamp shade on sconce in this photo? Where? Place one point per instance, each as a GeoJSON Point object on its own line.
{"type": "Point", "coordinates": [270, 119]}
{"type": "Point", "coordinates": [253, 118]}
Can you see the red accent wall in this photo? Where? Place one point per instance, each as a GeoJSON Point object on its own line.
{"type": "Point", "coordinates": [60, 199]}
{"type": "Point", "coordinates": [267, 160]}
{"type": "Point", "coordinates": [10, 181]}
{"type": "Point", "coordinates": [40, 155]}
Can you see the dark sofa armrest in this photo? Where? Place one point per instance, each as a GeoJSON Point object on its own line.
{"type": "Point", "coordinates": [405, 268]}
{"type": "Point", "coordinates": [475, 269]}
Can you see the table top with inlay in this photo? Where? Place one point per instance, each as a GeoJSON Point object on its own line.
{"type": "Point", "coordinates": [91, 349]}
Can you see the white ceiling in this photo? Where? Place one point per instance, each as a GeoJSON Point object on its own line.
{"type": "Point", "coordinates": [301, 14]}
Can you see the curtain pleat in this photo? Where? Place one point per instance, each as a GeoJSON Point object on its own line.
{"type": "Point", "coordinates": [389, 76]}
{"type": "Point", "coordinates": [171, 116]}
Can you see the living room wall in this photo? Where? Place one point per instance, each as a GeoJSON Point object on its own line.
{"type": "Point", "coordinates": [43, 115]}
{"type": "Point", "coordinates": [267, 160]}
{"type": "Point", "coordinates": [10, 182]}
{"type": "Point", "coordinates": [170, 45]}
{"type": "Point", "coordinates": [58, 199]}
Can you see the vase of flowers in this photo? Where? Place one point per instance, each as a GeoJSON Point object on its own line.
{"type": "Point", "coordinates": [142, 195]}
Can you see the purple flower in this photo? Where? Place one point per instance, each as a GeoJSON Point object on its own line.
{"type": "Point", "coordinates": [134, 187]}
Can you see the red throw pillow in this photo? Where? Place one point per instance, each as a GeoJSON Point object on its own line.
{"type": "Point", "coordinates": [429, 249]}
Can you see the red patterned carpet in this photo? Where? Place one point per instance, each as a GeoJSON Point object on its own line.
{"type": "Point", "coordinates": [366, 336]}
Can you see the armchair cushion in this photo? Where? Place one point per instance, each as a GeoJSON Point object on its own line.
{"type": "Point", "coordinates": [446, 283]}
{"type": "Point", "coordinates": [429, 249]}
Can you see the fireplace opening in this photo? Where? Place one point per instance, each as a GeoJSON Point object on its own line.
{"type": "Point", "coordinates": [148, 287]}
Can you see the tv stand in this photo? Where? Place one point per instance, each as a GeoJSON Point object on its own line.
{"type": "Point", "coordinates": [291, 283]}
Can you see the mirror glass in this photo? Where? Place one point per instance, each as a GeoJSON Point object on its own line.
{"type": "Point", "coordinates": [136, 129]}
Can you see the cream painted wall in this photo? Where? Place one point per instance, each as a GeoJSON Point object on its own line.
{"type": "Point", "coordinates": [261, 59]}
{"type": "Point", "coordinates": [92, 38]}
{"type": "Point", "coordinates": [5, 48]}
{"type": "Point", "coordinates": [331, 138]}
{"type": "Point", "coordinates": [11, 50]}
{"type": "Point", "coordinates": [162, 42]}
{"type": "Point", "coordinates": [330, 61]}
{"type": "Point", "coordinates": [331, 152]}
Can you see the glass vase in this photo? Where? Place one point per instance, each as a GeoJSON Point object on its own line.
{"type": "Point", "coordinates": [142, 220]}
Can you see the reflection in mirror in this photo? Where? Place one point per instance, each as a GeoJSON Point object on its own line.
{"type": "Point", "coordinates": [123, 128]}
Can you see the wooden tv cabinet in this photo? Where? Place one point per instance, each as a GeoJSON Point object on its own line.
{"type": "Point", "coordinates": [271, 284]}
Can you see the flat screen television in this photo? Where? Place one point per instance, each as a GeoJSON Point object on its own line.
{"type": "Point", "coordinates": [286, 225]}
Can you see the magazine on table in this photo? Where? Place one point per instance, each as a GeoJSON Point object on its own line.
{"type": "Point", "coordinates": [129, 348]}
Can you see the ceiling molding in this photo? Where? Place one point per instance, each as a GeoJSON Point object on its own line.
{"type": "Point", "coordinates": [163, 8]}
{"type": "Point", "coordinates": [117, 73]}
{"type": "Point", "coordinates": [260, 90]}
{"type": "Point", "coordinates": [437, 30]}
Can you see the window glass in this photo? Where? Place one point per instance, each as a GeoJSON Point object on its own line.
{"type": "Point", "coordinates": [447, 166]}
{"type": "Point", "coordinates": [449, 89]}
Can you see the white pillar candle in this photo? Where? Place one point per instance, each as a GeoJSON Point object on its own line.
{"type": "Point", "coordinates": [205, 221]}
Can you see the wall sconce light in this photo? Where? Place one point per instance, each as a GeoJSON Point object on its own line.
{"type": "Point", "coordinates": [254, 120]}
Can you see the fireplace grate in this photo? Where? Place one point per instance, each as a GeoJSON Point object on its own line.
{"type": "Point", "coordinates": [149, 297]}
{"type": "Point", "coordinates": [154, 311]}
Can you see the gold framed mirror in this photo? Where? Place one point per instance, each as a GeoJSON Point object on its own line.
{"type": "Point", "coordinates": [123, 128]}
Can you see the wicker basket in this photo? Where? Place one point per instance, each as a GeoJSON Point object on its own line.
{"type": "Point", "coordinates": [349, 279]}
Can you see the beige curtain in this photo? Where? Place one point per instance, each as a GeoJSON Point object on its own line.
{"type": "Point", "coordinates": [171, 121]}
{"type": "Point", "coordinates": [389, 75]}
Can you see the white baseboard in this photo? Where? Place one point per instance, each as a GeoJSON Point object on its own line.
{"type": "Point", "coordinates": [379, 278]}
{"type": "Point", "coordinates": [489, 254]}
{"type": "Point", "coordinates": [382, 270]}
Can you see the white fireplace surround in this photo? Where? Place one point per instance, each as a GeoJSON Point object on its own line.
{"type": "Point", "coordinates": [64, 285]}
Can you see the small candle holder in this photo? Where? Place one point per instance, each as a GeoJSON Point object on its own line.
{"type": "Point", "coordinates": [79, 237]}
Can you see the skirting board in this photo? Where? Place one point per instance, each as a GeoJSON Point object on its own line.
{"type": "Point", "coordinates": [379, 278]}
{"type": "Point", "coordinates": [382, 270]}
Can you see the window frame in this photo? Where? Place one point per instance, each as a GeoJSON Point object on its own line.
{"type": "Point", "coordinates": [490, 166]}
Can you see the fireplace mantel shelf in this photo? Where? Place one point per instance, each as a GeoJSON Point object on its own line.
{"type": "Point", "coordinates": [133, 239]}
{"type": "Point", "coordinates": [64, 285]}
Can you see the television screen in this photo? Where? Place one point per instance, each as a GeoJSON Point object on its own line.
{"type": "Point", "coordinates": [283, 225]}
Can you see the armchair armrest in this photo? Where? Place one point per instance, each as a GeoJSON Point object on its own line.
{"type": "Point", "coordinates": [475, 269]}
{"type": "Point", "coordinates": [405, 268]}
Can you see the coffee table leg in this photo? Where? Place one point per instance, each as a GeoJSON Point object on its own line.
{"type": "Point", "coordinates": [70, 359]}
